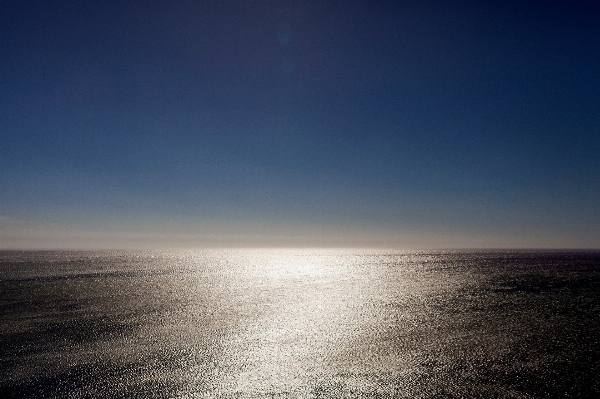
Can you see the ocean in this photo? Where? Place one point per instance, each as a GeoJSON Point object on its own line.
{"type": "Point", "coordinates": [299, 324]}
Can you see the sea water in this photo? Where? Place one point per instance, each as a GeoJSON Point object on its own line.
{"type": "Point", "coordinates": [299, 324]}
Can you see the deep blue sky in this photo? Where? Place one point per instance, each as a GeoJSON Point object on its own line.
{"type": "Point", "coordinates": [363, 123]}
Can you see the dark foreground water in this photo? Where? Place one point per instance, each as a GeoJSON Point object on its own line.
{"type": "Point", "coordinates": [306, 324]}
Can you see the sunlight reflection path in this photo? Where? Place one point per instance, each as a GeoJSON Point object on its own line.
{"type": "Point", "coordinates": [309, 309]}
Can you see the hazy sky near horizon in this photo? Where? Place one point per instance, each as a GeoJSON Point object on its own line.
{"type": "Point", "coordinates": [406, 124]}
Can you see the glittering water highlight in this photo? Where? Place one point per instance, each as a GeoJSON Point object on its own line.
{"type": "Point", "coordinates": [299, 324]}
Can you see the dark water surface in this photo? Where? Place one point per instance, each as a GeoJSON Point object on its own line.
{"type": "Point", "coordinates": [299, 324]}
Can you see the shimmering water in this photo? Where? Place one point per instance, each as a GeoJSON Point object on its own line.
{"type": "Point", "coordinates": [299, 324]}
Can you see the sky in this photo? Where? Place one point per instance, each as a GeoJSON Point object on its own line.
{"type": "Point", "coordinates": [396, 124]}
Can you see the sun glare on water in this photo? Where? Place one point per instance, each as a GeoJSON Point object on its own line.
{"type": "Point", "coordinates": [308, 302]}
